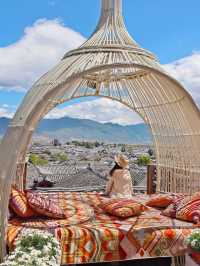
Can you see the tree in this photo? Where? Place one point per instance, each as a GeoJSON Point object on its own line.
{"type": "Point", "coordinates": [37, 160]}
{"type": "Point", "coordinates": [144, 160]}
{"type": "Point", "coordinates": [88, 145]}
{"type": "Point", "coordinates": [61, 156]}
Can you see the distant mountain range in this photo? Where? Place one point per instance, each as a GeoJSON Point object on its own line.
{"type": "Point", "coordinates": [67, 129]}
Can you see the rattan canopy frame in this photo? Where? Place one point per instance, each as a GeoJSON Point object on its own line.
{"type": "Point", "coordinates": [111, 64]}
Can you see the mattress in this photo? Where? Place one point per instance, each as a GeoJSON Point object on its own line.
{"type": "Point", "coordinates": [90, 235]}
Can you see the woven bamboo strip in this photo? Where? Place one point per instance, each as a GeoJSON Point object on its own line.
{"type": "Point", "coordinates": [111, 64]}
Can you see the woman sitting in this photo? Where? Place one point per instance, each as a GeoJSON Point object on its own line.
{"type": "Point", "coordinates": [120, 181]}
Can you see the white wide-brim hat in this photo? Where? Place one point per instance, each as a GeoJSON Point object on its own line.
{"type": "Point", "coordinates": [121, 160]}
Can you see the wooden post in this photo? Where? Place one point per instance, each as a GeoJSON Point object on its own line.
{"type": "Point", "coordinates": [25, 175]}
{"type": "Point", "coordinates": [21, 174]}
{"type": "Point", "coordinates": [151, 177]}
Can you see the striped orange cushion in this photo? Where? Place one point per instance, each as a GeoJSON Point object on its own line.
{"type": "Point", "coordinates": [45, 206]}
{"type": "Point", "coordinates": [19, 204]}
{"type": "Point", "coordinates": [123, 207]}
{"type": "Point", "coordinates": [187, 209]}
{"type": "Point", "coordinates": [160, 201]}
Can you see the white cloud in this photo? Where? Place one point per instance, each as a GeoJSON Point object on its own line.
{"type": "Point", "coordinates": [101, 110]}
{"type": "Point", "coordinates": [41, 47]}
{"type": "Point", "coordinates": [187, 71]}
{"type": "Point", "coordinates": [5, 111]}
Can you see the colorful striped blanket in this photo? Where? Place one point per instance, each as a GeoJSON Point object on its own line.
{"type": "Point", "coordinates": [93, 236]}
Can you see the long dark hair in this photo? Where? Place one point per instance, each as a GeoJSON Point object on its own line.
{"type": "Point", "coordinates": [115, 167]}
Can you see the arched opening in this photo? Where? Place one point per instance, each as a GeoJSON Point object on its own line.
{"type": "Point", "coordinates": [158, 99]}
{"type": "Point", "coordinates": [110, 64]}
{"type": "Point", "coordinates": [77, 154]}
{"type": "Point", "coordinates": [164, 105]}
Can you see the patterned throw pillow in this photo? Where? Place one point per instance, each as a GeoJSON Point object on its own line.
{"type": "Point", "coordinates": [123, 207]}
{"type": "Point", "coordinates": [187, 209]}
{"type": "Point", "coordinates": [19, 204]}
{"type": "Point", "coordinates": [160, 201]}
{"type": "Point", "coordinates": [44, 206]}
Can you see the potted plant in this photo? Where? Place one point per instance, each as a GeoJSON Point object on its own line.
{"type": "Point", "coordinates": [193, 244]}
{"type": "Point", "coordinates": [34, 247]}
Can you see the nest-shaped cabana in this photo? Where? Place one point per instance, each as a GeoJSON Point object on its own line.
{"type": "Point", "coordinates": [111, 64]}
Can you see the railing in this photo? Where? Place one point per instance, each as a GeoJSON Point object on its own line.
{"type": "Point", "coordinates": [144, 178]}
{"type": "Point", "coordinates": [151, 179]}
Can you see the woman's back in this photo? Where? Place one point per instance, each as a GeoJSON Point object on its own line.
{"type": "Point", "coordinates": [121, 183]}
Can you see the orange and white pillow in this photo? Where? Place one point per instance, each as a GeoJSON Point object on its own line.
{"type": "Point", "coordinates": [19, 204]}
{"type": "Point", "coordinates": [45, 206]}
{"type": "Point", "coordinates": [160, 200]}
{"type": "Point", "coordinates": [187, 209]}
{"type": "Point", "coordinates": [123, 208]}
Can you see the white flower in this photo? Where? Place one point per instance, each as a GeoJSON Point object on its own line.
{"type": "Point", "coordinates": [46, 249]}
{"type": "Point", "coordinates": [33, 256]}
{"type": "Point", "coordinates": [11, 257]}
{"type": "Point", "coordinates": [193, 243]}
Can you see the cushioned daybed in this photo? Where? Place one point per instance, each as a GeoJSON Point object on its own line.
{"type": "Point", "coordinates": [91, 235]}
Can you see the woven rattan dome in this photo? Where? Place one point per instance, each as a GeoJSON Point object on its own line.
{"type": "Point", "coordinates": [111, 64]}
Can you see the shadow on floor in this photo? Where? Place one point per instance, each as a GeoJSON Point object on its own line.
{"type": "Point", "coordinates": [140, 262]}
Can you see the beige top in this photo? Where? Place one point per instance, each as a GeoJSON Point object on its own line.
{"type": "Point", "coordinates": [120, 184]}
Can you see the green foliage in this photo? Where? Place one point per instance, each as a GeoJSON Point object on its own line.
{"type": "Point", "coordinates": [61, 156]}
{"type": "Point", "coordinates": [35, 241]}
{"type": "Point", "coordinates": [37, 160]}
{"type": "Point", "coordinates": [193, 240]}
{"type": "Point", "coordinates": [78, 143]}
{"type": "Point", "coordinates": [33, 248]}
{"type": "Point", "coordinates": [143, 160]}
{"type": "Point", "coordinates": [87, 144]}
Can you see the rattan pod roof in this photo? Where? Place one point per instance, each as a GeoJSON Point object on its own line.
{"type": "Point", "coordinates": [111, 64]}
{"type": "Point", "coordinates": [109, 46]}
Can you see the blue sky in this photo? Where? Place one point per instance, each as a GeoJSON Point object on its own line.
{"type": "Point", "coordinates": [170, 29]}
